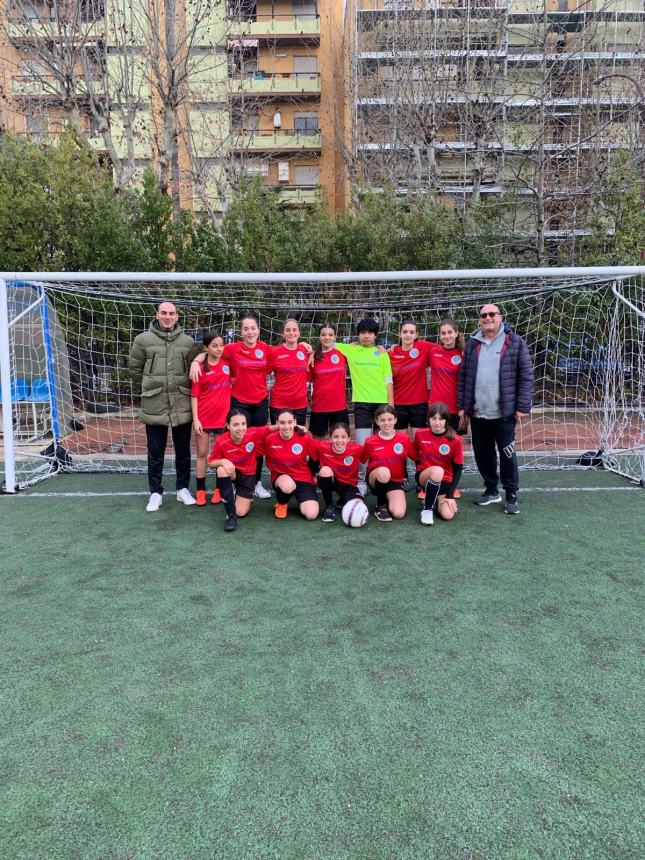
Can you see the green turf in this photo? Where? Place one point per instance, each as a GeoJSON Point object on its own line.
{"type": "Point", "coordinates": [300, 690]}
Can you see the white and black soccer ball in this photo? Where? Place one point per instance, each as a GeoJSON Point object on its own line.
{"type": "Point", "coordinates": [355, 513]}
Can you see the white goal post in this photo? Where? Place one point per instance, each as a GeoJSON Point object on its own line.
{"type": "Point", "coordinates": [67, 400]}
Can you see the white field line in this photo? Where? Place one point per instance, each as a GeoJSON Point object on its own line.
{"type": "Point", "coordinates": [522, 491]}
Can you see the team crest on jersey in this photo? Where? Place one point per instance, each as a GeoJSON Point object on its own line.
{"type": "Point", "coordinates": [414, 352]}
{"type": "Point", "coordinates": [297, 448]}
{"type": "Point", "coordinates": [444, 449]}
{"type": "Point", "coordinates": [398, 448]}
{"type": "Point", "coordinates": [334, 359]}
{"type": "Point", "coordinates": [226, 369]}
{"type": "Point", "coordinates": [259, 353]}
{"type": "Point", "coordinates": [300, 354]}
{"type": "Point", "coordinates": [377, 352]}
{"type": "Point", "coordinates": [250, 446]}
{"type": "Point", "coordinates": [348, 461]}
{"type": "Point", "coordinates": [456, 359]}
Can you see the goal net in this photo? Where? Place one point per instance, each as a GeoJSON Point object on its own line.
{"type": "Point", "coordinates": [67, 396]}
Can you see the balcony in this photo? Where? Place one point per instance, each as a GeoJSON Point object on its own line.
{"type": "Point", "coordinates": [296, 195]}
{"type": "Point", "coordinates": [48, 86]}
{"type": "Point", "coordinates": [280, 84]}
{"type": "Point", "coordinates": [268, 26]}
{"type": "Point", "coordinates": [284, 140]}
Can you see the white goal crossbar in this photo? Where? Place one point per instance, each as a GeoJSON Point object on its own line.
{"type": "Point", "coordinates": [67, 402]}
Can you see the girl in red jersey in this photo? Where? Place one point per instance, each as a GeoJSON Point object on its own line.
{"type": "Point", "coordinates": [409, 361]}
{"type": "Point", "coordinates": [445, 364]}
{"type": "Point", "coordinates": [328, 370]}
{"type": "Point", "coordinates": [233, 457]}
{"type": "Point", "coordinates": [386, 454]}
{"type": "Point", "coordinates": [251, 360]}
{"type": "Point", "coordinates": [440, 463]}
{"type": "Point", "coordinates": [210, 401]}
{"type": "Point", "coordinates": [288, 452]}
{"type": "Point", "coordinates": [291, 371]}
{"type": "Point", "coordinates": [339, 460]}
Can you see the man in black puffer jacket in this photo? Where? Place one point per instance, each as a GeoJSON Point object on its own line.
{"type": "Point", "coordinates": [495, 391]}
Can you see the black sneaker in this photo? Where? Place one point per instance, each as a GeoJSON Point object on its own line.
{"type": "Point", "coordinates": [383, 515]}
{"type": "Point", "coordinates": [329, 515]}
{"type": "Point", "coordinates": [488, 499]}
{"type": "Point", "coordinates": [231, 524]}
{"type": "Point", "coordinates": [511, 506]}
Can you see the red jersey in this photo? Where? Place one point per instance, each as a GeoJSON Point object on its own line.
{"type": "Point", "coordinates": [290, 368]}
{"type": "Point", "coordinates": [328, 374]}
{"type": "Point", "coordinates": [213, 393]}
{"type": "Point", "coordinates": [345, 465]}
{"type": "Point", "coordinates": [445, 365]}
{"type": "Point", "coordinates": [249, 367]}
{"type": "Point", "coordinates": [433, 450]}
{"type": "Point", "coordinates": [289, 457]}
{"type": "Point", "coordinates": [243, 455]}
{"type": "Point", "coordinates": [388, 452]}
{"type": "Point", "coordinates": [409, 373]}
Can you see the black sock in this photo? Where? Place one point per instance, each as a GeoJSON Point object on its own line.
{"type": "Point", "coordinates": [432, 491]}
{"type": "Point", "coordinates": [201, 483]}
{"type": "Point", "coordinates": [326, 485]}
{"type": "Point", "coordinates": [381, 494]}
{"type": "Point", "coordinates": [281, 496]}
{"type": "Point", "coordinates": [228, 496]}
{"type": "Point", "coordinates": [259, 462]}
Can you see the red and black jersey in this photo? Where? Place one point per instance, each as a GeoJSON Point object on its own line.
{"type": "Point", "coordinates": [345, 465]}
{"type": "Point", "coordinates": [291, 370]}
{"type": "Point", "coordinates": [328, 375]}
{"type": "Point", "coordinates": [249, 366]}
{"type": "Point", "coordinates": [213, 393]}
{"type": "Point", "coordinates": [433, 450]}
{"type": "Point", "coordinates": [289, 457]}
{"type": "Point", "coordinates": [242, 455]}
{"type": "Point", "coordinates": [445, 365]}
{"type": "Point", "coordinates": [388, 452]}
{"type": "Point", "coordinates": [409, 371]}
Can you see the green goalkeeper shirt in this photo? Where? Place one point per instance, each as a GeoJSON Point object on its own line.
{"type": "Point", "coordinates": [370, 370]}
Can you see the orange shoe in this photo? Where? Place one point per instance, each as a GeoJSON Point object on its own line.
{"type": "Point", "coordinates": [216, 498]}
{"type": "Point", "coordinates": [457, 494]}
{"type": "Point", "coordinates": [200, 498]}
{"type": "Point", "coordinates": [280, 511]}
{"type": "Point", "coordinates": [421, 494]}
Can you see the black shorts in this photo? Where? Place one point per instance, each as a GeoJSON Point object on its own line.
{"type": "Point", "coordinates": [257, 414]}
{"type": "Point", "coordinates": [304, 492]}
{"type": "Point", "coordinates": [414, 415]}
{"type": "Point", "coordinates": [346, 492]}
{"type": "Point", "coordinates": [320, 423]}
{"type": "Point", "coordinates": [364, 415]}
{"type": "Point", "coordinates": [453, 421]}
{"type": "Point", "coordinates": [389, 487]}
{"type": "Point", "coordinates": [244, 485]}
{"type": "Point", "coordinates": [301, 414]}
{"type": "Point", "coordinates": [216, 431]}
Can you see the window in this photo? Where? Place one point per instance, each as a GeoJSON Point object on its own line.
{"type": "Point", "coordinates": [36, 126]}
{"type": "Point", "coordinates": [306, 123]}
{"type": "Point", "coordinates": [304, 64]}
{"type": "Point", "coordinates": [304, 8]}
{"type": "Point", "coordinates": [306, 176]}
{"type": "Point", "coordinates": [255, 167]}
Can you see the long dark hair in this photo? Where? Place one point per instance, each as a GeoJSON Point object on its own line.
{"type": "Point", "coordinates": [234, 412]}
{"type": "Point", "coordinates": [318, 352]}
{"type": "Point", "coordinates": [209, 336]}
{"type": "Point", "coordinates": [459, 340]}
{"type": "Point", "coordinates": [442, 411]}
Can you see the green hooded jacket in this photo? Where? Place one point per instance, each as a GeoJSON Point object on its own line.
{"type": "Point", "coordinates": [159, 364]}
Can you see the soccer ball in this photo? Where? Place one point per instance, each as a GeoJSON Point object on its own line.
{"type": "Point", "coordinates": [355, 513]}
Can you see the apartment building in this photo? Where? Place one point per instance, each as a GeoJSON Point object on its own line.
{"type": "Point", "coordinates": [207, 92]}
{"type": "Point", "coordinates": [478, 97]}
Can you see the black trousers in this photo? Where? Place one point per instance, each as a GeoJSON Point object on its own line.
{"type": "Point", "coordinates": [157, 437]}
{"type": "Point", "coordinates": [487, 435]}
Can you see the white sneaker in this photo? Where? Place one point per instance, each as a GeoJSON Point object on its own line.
{"type": "Point", "coordinates": [185, 497]}
{"type": "Point", "coordinates": [261, 492]}
{"type": "Point", "coordinates": [156, 501]}
{"type": "Point", "coordinates": [426, 518]}
{"type": "Point", "coordinates": [362, 488]}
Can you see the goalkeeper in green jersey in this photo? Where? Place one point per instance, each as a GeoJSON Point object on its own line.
{"type": "Point", "coordinates": [371, 375]}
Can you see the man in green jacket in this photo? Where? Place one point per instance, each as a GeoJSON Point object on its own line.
{"type": "Point", "coordinates": [159, 363]}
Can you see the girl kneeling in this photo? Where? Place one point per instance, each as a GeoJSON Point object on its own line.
{"type": "Point", "coordinates": [440, 462]}
{"type": "Point", "coordinates": [288, 452]}
{"type": "Point", "coordinates": [339, 460]}
{"type": "Point", "coordinates": [386, 454]}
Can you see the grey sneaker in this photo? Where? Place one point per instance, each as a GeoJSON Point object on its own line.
{"type": "Point", "coordinates": [329, 515]}
{"type": "Point", "coordinates": [511, 506]}
{"type": "Point", "coordinates": [488, 499]}
{"type": "Point", "coordinates": [383, 515]}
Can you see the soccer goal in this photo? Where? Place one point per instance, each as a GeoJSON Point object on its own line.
{"type": "Point", "coordinates": [67, 399]}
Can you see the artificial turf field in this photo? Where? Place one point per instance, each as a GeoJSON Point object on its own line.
{"type": "Point", "coordinates": [303, 690]}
